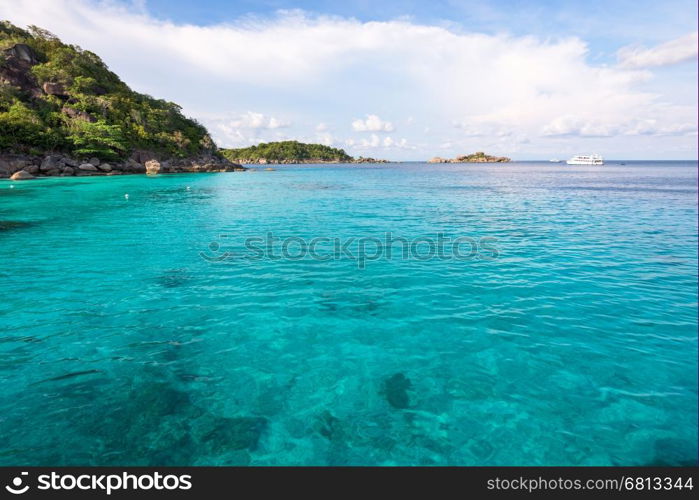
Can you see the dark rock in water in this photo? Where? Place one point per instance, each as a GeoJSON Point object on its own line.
{"type": "Point", "coordinates": [671, 452]}
{"type": "Point", "coordinates": [68, 375]}
{"type": "Point", "coordinates": [395, 390]}
{"type": "Point", "coordinates": [235, 433]}
{"type": "Point", "coordinates": [155, 400]}
{"type": "Point", "coordinates": [7, 225]}
{"type": "Point", "coordinates": [174, 278]}
{"type": "Point", "coordinates": [328, 426]}
{"type": "Point", "coordinates": [482, 449]}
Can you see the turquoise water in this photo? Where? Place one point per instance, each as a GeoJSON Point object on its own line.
{"type": "Point", "coordinates": [576, 345]}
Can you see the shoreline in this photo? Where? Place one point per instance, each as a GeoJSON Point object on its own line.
{"type": "Point", "coordinates": [27, 167]}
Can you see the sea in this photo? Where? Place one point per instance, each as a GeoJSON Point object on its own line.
{"type": "Point", "coordinates": [526, 313]}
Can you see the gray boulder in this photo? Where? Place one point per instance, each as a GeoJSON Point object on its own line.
{"type": "Point", "coordinates": [87, 167]}
{"type": "Point", "coordinates": [94, 161]}
{"type": "Point", "coordinates": [52, 88]}
{"type": "Point", "coordinates": [51, 162]}
{"type": "Point", "coordinates": [77, 114]}
{"type": "Point", "coordinates": [105, 167]}
{"type": "Point", "coordinates": [5, 169]}
{"type": "Point", "coordinates": [23, 53]}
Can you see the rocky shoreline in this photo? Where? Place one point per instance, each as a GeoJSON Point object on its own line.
{"type": "Point", "coordinates": [25, 167]}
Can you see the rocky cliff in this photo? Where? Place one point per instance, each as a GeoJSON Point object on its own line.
{"type": "Point", "coordinates": [63, 112]}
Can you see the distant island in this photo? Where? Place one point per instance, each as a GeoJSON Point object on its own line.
{"type": "Point", "coordinates": [478, 157]}
{"type": "Point", "coordinates": [290, 152]}
{"type": "Point", "coordinates": [63, 112]}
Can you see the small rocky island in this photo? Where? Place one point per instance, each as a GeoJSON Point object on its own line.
{"type": "Point", "coordinates": [292, 152]}
{"type": "Point", "coordinates": [478, 157]}
{"type": "Point", "coordinates": [64, 113]}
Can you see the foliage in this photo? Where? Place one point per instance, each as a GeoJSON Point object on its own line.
{"type": "Point", "coordinates": [98, 139]}
{"type": "Point", "coordinates": [291, 151]}
{"type": "Point", "coordinates": [120, 120]}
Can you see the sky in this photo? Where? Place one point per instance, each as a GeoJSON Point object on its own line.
{"type": "Point", "coordinates": [407, 80]}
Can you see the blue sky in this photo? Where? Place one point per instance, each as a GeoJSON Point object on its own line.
{"type": "Point", "coordinates": [604, 24]}
{"type": "Point", "coordinates": [407, 80]}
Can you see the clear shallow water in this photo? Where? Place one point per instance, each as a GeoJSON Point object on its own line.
{"type": "Point", "coordinates": [120, 345]}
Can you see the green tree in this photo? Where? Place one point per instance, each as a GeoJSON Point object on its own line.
{"type": "Point", "coordinates": [97, 139]}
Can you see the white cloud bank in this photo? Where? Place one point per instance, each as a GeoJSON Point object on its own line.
{"type": "Point", "coordinates": [511, 90]}
{"type": "Point", "coordinates": [258, 121]}
{"type": "Point", "coordinates": [372, 124]}
{"type": "Point", "coordinates": [672, 52]}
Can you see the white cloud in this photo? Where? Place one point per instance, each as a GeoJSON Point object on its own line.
{"type": "Point", "coordinates": [500, 89]}
{"type": "Point", "coordinates": [258, 121]}
{"type": "Point", "coordinates": [372, 142]}
{"type": "Point", "coordinates": [672, 52]}
{"type": "Point", "coordinates": [242, 129]}
{"type": "Point", "coordinates": [325, 138]}
{"type": "Point", "coordinates": [376, 142]}
{"type": "Point", "coordinates": [372, 124]}
{"type": "Point", "coordinates": [321, 127]}
{"type": "Point", "coordinates": [570, 125]}
{"type": "Point", "coordinates": [477, 128]}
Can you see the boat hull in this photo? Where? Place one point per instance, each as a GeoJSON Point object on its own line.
{"type": "Point", "coordinates": [582, 162]}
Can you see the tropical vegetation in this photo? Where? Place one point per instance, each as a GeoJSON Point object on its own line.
{"type": "Point", "coordinates": [65, 99]}
{"type": "Point", "coordinates": [287, 151]}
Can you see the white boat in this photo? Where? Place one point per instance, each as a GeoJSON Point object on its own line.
{"type": "Point", "coordinates": [586, 160]}
{"type": "Point", "coordinates": [555, 160]}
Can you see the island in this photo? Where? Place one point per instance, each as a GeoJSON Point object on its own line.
{"type": "Point", "coordinates": [477, 157]}
{"type": "Point", "coordinates": [290, 152]}
{"type": "Point", "coordinates": [64, 113]}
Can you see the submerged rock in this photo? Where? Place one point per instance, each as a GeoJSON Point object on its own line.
{"type": "Point", "coordinates": [174, 278]}
{"type": "Point", "coordinates": [395, 390]}
{"type": "Point", "coordinates": [7, 225]}
{"type": "Point", "coordinates": [235, 433]}
{"type": "Point", "coordinates": [672, 452]}
{"type": "Point", "coordinates": [328, 426]}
